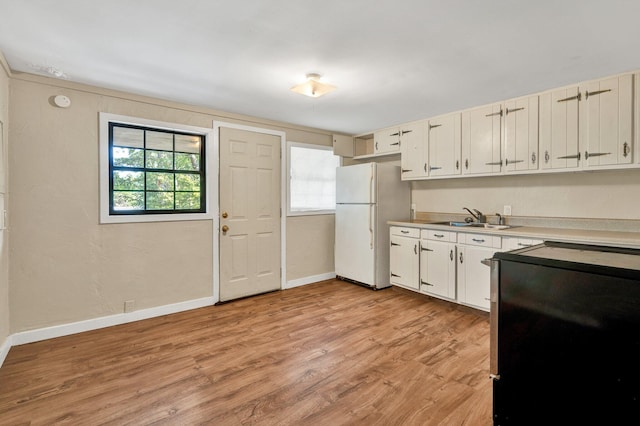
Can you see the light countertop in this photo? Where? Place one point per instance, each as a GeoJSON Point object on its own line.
{"type": "Point", "coordinates": [585, 236]}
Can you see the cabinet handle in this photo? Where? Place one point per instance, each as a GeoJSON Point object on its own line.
{"type": "Point", "coordinates": [432, 126]}
{"type": "Point", "coordinates": [438, 235]}
{"type": "Point", "coordinates": [625, 149]}
{"type": "Point", "coordinates": [434, 168]}
{"type": "Point", "coordinates": [570, 157]}
{"type": "Point", "coordinates": [415, 248]}
{"type": "Point", "coordinates": [494, 114]}
{"type": "Point", "coordinates": [405, 131]}
{"type": "Point", "coordinates": [546, 157]}
{"type": "Point", "coordinates": [395, 143]}
{"type": "Point", "coordinates": [533, 158]}
{"type": "Point", "coordinates": [477, 240]}
{"type": "Point", "coordinates": [425, 249]}
{"type": "Point", "coordinates": [597, 92]}
{"type": "Point", "coordinates": [595, 154]}
{"type": "Point", "coordinates": [451, 255]}
{"type": "Point", "coordinates": [457, 164]}
{"type": "Point", "coordinates": [461, 257]}
{"type": "Point", "coordinates": [395, 134]}
{"type": "Point", "coordinates": [425, 283]}
{"type": "Point", "coordinates": [376, 146]}
{"type": "Point", "coordinates": [570, 98]}
{"type": "Point", "coordinates": [394, 275]}
{"type": "Point", "coordinates": [394, 244]}
{"type": "Point", "coordinates": [466, 163]}
{"type": "Point", "coordinates": [404, 231]}
{"type": "Point", "coordinates": [425, 167]}
{"type": "Point", "coordinates": [507, 111]}
{"type": "Point", "coordinates": [406, 170]}
{"type": "Point", "coordinates": [506, 162]}
{"type": "Point", "coordinates": [494, 163]}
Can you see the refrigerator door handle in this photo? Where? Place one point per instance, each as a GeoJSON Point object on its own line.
{"type": "Point", "coordinates": [371, 196]}
{"type": "Point", "coordinates": [371, 226]}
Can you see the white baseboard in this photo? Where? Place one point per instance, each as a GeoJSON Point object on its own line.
{"type": "Point", "coordinates": [4, 349]}
{"type": "Point", "coordinates": [309, 280]}
{"type": "Point", "coordinates": [102, 322]}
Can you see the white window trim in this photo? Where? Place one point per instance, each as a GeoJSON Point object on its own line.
{"type": "Point", "coordinates": [305, 212]}
{"type": "Point", "coordinates": [105, 217]}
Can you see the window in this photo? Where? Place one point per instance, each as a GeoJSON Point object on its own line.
{"type": "Point", "coordinates": [312, 179]}
{"type": "Point", "coordinates": [154, 171]}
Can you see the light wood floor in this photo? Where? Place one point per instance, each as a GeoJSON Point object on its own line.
{"type": "Point", "coordinates": [330, 353]}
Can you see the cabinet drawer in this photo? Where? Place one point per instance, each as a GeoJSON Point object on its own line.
{"type": "Point", "coordinates": [405, 232]}
{"type": "Point", "coordinates": [437, 235]}
{"type": "Point", "coordinates": [511, 243]}
{"type": "Point", "coordinates": [482, 240]}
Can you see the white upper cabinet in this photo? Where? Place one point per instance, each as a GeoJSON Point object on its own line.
{"type": "Point", "coordinates": [559, 129]}
{"type": "Point", "coordinates": [444, 142]}
{"type": "Point", "coordinates": [413, 151]}
{"type": "Point", "coordinates": [481, 140]}
{"type": "Point", "coordinates": [606, 121]}
{"type": "Point", "coordinates": [386, 141]}
{"type": "Point", "coordinates": [521, 134]}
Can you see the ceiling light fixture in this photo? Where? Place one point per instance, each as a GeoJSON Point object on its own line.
{"type": "Point", "coordinates": [313, 87]}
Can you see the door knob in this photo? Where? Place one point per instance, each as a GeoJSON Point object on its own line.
{"type": "Point", "coordinates": [225, 228]}
{"type": "Point", "coordinates": [225, 215]}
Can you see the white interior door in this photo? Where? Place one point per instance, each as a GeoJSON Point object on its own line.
{"type": "Point", "coordinates": [250, 243]}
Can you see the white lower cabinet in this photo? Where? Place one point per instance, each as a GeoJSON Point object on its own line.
{"type": "Point", "coordinates": [447, 265]}
{"type": "Point", "coordinates": [513, 243]}
{"type": "Point", "coordinates": [404, 258]}
{"type": "Point", "coordinates": [438, 264]}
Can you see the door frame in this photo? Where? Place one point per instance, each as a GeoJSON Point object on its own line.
{"type": "Point", "coordinates": [215, 199]}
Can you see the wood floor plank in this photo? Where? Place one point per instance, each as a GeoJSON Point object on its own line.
{"type": "Point", "coordinates": [326, 353]}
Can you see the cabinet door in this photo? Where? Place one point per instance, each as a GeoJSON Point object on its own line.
{"type": "Point", "coordinates": [386, 141]}
{"type": "Point", "coordinates": [606, 117]}
{"type": "Point", "coordinates": [473, 276]}
{"type": "Point", "coordinates": [413, 151]}
{"type": "Point", "coordinates": [444, 141]}
{"type": "Point", "coordinates": [559, 129]}
{"type": "Point", "coordinates": [403, 262]}
{"type": "Point", "coordinates": [343, 145]}
{"type": "Point", "coordinates": [481, 140]}
{"type": "Point", "coordinates": [521, 134]}
{"type": "Point", "coordinates": [438, 268]}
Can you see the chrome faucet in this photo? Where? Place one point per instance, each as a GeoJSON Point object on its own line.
{"type": "Point", "coordinates": [481, 218]}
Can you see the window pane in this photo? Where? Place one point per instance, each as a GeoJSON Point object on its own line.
{"type": "Point", "coordinates": [128, 181]}
{"type": "Point", "coordinates": [128, 157]}
{"type": "Point", "coordinates": [159, 200]}
{"type": "Point", "coordinates": [159, 181]}
{"type": "Point", "coordinates": [187, 200]}
{"type": "Point", "coordinates": [187, 182]}
{"type": "Point", "coordinates": [159, 140]}
{"type": "Point", "coordinates": [159, 160]}
{"type": "Point", "coordinates": [124, 136]}
{"type": "Point", "coordinates": [187, 162]}
{"type": "Point", "coordinates": [312, 183]}
{"type": "Point", "coordinates": [187, 143]}
{"type": "Point", "coordinates": [128, 200]}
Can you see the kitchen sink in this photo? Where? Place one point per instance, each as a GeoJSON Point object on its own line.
{"type": "Point", "coordinates": [473, 225]}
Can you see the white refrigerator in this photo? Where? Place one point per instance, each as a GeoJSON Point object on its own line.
{"type": "Point", "coordinates": [367, 197]}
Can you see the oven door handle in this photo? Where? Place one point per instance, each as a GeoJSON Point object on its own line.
{"type": "Point", "coordinates": [494, 297]}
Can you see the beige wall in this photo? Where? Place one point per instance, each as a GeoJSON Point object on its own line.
{"type": "Point", "coordinates": [64, 266]}
{"type": "Point", "coordinates": [4, 262]}
{"type": "Point", "coordinates": [602, 194]}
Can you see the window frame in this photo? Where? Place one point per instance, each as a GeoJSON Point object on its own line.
{"type": "Point", "coordinates": [291, 144]}
{"type": "Point", "coordinates": [106, 215]}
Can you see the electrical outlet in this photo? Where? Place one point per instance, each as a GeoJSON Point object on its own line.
{"type": "Point", "coordinates": [129, 305]}
{"type": "Point", "coordinates": [506, 210]}
{"type": "Point", "coordinates": [413, 211]}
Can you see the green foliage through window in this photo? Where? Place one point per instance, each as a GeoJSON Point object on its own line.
{"type": "Point", "coordinates": [155, 171]}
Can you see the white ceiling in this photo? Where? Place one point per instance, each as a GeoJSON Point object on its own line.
{"type": "Point", "coordinates": [393, 61]}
